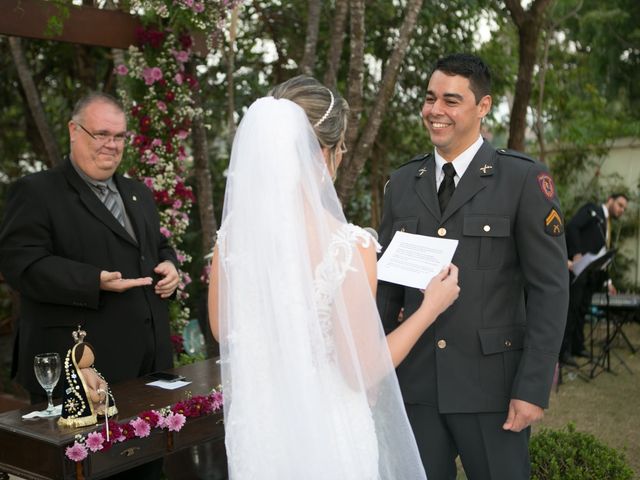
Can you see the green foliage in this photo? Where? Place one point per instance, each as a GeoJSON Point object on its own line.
{"type": "Point", "coordinates": [571, 455]}
{"type": "Point", "coordinates": [55, 24]}
{"type": "Point", "coordinates": [186, 359]}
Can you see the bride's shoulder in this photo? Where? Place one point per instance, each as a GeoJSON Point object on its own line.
{"type": "Point", "coordinates": [363, 237]}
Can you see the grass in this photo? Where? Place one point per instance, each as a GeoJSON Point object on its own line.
{"type": "Point", "coordinates": [607, 406]}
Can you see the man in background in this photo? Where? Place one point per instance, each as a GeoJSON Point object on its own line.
{"type": "Point", "coordinates": [588, 231]}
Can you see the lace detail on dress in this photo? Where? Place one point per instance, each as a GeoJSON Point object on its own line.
{"type": "Point", "coordinates": [332, 270]}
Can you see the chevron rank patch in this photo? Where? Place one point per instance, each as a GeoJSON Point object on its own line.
{"type": "Point", "coordinates": [546, 185]}
{"type": "Point", "coordinates": [553, 224]}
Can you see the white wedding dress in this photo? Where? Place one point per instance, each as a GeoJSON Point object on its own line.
{"type": "Point", "coordinates": [310, 391]}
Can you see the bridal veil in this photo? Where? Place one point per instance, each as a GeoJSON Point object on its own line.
{"type": "Point", "coordinates": [310, 390]}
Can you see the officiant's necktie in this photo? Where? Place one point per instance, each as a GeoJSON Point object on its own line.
{"type": "Point", "coordinates": [447, 186]}
{"type": "Point", "coordinates": [110, 200]}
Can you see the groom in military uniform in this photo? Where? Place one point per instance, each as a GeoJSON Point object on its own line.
{"type": "Point", "coordinates": [482, 373]}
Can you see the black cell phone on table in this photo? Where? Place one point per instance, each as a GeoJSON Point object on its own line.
{"type": "Point", "coordinates": [165, 376]}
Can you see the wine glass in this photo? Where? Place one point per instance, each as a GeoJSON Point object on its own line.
{"type": "Point", "coordinates": [47, 367]}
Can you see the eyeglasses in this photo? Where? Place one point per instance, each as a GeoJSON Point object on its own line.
{"type": "Point", "coordinates": [104, 138]}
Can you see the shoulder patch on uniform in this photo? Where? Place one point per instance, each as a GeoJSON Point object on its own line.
{"type": "Point", "coordinates": [417, 158]}
{"type": "Point", "coordinates": [515, 154]}
{"type": "Point", "coordinates": [545, 182]}
{"type": "Point", "coordinates": [553, 224]}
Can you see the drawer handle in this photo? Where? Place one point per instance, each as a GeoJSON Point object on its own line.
{"type": "Point", "coordinates": [129, 452]}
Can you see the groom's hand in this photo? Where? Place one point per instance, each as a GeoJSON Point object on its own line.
{"type": "Point", "coordinates": [521, 415]}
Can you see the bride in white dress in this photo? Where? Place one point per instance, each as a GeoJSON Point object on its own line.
{"type": "Point", "coordinates": [308, 375]}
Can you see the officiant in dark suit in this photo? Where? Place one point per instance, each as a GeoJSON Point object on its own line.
{"type": "Point", "coordinates": [482, 373]}
{"type": "Point", "coordinates": [588, 231]}
{"type": "Point", "coordinates": [82, 245]}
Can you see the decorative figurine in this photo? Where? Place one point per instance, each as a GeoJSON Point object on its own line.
{"type": "Point", "coordinates": [86, 394]}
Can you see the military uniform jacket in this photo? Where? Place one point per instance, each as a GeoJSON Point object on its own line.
{"type": "Point", "coordinates": [55, 239]}
{"type": "Point", "coordinates": [501, 338]}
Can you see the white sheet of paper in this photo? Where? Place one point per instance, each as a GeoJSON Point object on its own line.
{"type": "Point", "coordinates": [586, 260]}
{"type": "Point", "coordinates": [168, 385]}
{"type": "Point", "coordinates": [412, 260]}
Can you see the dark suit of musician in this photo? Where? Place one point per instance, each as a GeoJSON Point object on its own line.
{"type": "Point", "coordinates": [62, 249]}
{"type": "Point", "coordinates": [499, 340]}
{"type": "Point", "coordinates": [588, 231]}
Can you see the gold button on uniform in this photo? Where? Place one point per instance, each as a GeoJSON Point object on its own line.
{"type": "Point", "coordinates": [442, 231]}
{"type": "Point", "coordinates": [486, 228]}
{"type": "Point", "coordinates": [442, 344]}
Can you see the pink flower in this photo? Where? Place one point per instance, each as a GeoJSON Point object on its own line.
{"type": "Point", "coordinates": [198, 7]}
{"type": "Point", "coordinates": [161, 106]}
{"type": "Point", "coordinates": [151, 75]}
{"type": "Point", "coordinates": [140, 427]}
{"type": "Point", "coordinates": [165, 231]}
{"type": "Point", "coordinates": [177, 204]}
{"type": "Point", "coordinates": [175, 422]}
{"type": "Point", "coordinates": [148, 181]}
{"type": "Point", "coordinates": [156, 142]}
{"type": "Point", "coordinates": [178, 78]}
{"type": "Point", "coordinates": [217, 400]}
{"type": "Point", "coordinates": [122, 69]}
{"type": "Point", "coordinates": [181, 56]}
{"type": "Point", "coordinates": [152, 159]}
{"type": "Point", "coordinates": [77, 452]}
{"type": "Point", "coordinates": [94, 441]}
{"type": "Point", "coordinates": [182, 134]}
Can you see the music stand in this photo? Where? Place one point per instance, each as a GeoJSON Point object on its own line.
{"type": "Point", "coordinates": [603, 361]}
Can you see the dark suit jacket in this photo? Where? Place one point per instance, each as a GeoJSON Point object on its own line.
{"type": "Point", "coordinates": [55, 239]}
{"type": "Point", "coordinates": [501, 338]}
{"type": "Point", "coordinates": [587, 230]}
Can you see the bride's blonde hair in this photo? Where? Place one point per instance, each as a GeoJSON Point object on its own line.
{"type": "Point", "coordinates": [326, 110]}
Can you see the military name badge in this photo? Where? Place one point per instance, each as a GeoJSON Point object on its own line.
{"type": "Point", "coordinates": [546, 185]}
{"type": "Point", "coordinates": [553, 224]}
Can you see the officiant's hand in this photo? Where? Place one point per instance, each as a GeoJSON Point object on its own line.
{"type": "Point", "coordinates": [113, 282]}
{"type": "Point", "coordinates": [522, 414]}
{"type": "Point", "coordinates": [169, 281]}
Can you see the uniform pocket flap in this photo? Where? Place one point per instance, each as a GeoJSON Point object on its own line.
{"type": "Point", "coordinates": [486, 226]}
{"type": "Point", "coordinates": [407, 224]}
{"type": "Point", "coordinates": [501, 339]}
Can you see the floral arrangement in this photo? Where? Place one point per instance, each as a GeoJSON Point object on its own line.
{"type": "Point", "coordinates": [158, 82]}
{"type": "Point", "coordinates": [171, 419]}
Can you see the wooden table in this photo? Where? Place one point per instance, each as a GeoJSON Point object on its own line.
{"type": "Point", "coordinates": [35, 449]}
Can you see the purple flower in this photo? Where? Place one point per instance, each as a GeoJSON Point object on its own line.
{"type": "Point", "coordinates": [140, 427]}
{"type": "Point", "coordinates": [77, 452]}
{"type": "Point", "coordinates": [94, 441]}
{"type": "Point", "coordinates": [122, 69]}
{"type": "Point", "coordinates": [175, 421]}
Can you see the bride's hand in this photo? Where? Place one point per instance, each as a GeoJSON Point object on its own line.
{"type": "Point", "coordinates": [442, 290]}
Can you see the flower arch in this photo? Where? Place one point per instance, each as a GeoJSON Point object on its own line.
{"type": "Point", "coordinates": [157, 90]}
